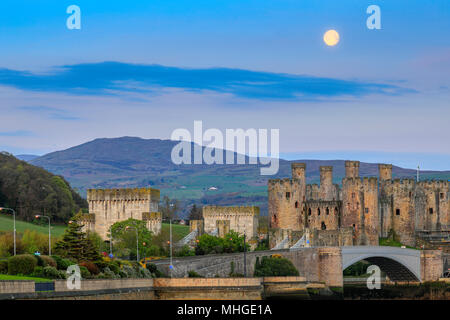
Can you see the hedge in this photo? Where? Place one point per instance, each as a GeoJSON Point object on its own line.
{"type": "Point", "coordinates": [21, 264]}
{"type": "Point", "coordinates": [3, 266]}
{"type": "Point", "coordinates": [61, 263]}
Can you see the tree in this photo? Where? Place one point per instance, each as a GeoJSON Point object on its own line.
{"type": "Point", "coordinates": [169, 208]}
{"type": "Point", "coordinates": [274, 266]}
{"type": "Point", "coordinates": [124, 237]}
{"type": "Point", "coordinates": [73, 241]}
{"type": "Point", "coordinates": [76, 244]}
{"type": "Point", "coordinates": [195, 213]}
{"type": "Point", "coordinates": [232, 242]}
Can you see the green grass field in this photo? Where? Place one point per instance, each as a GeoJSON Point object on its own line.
{"type": "Point", "coordinates": [179, 231]}
{"type": "Point", "coordinates": [10, 277]}
{"type": "Point", "coordinates": [6, 224]}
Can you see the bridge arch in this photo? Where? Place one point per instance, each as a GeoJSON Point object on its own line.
{"type": "Point", "coordinates": [398, 263]}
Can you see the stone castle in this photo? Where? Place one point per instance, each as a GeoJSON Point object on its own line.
{"type": "Point", "coordinates": [108, 206]}
{"type": "Point", "coordinates": [358, 212]}
{"type": "Point", "coordinates": [219, 221]}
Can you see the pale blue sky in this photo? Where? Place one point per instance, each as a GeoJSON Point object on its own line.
{"type": "Point", "coordinates": [145, 68]}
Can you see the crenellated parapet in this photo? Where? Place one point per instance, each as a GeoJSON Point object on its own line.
{"type": "Point", "coordinates": [237, 210]}
{"type": "Point", "coordinates": [130, 194]}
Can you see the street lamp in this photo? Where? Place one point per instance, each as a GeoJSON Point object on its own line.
{"type": "Point", "coordinates": [14, 219]}
{"type": "Point", "coordinates": [245, 257]}
{"type": "Point", "coordinates": [49, 233]}
{"type": "Point", "coordinates": [137, 241]}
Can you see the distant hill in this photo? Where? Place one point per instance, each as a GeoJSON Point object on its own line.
{"type": "Point", "coordinates": [135, 162]}
{"type": "Point", "coordinates": [31, 190]}
{"type": "Point", "coordinates": [26, 157]}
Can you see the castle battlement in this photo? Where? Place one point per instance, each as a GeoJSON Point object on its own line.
{"type": "Point", "coordinates": [123, 194]}
{"type": "Point", "coordinates": [236, 210]}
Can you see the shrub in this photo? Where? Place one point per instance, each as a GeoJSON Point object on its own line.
{"type": "Point", "coordinates": [109, 274]}
{"type": "Point", "coordinates": [51, 273]}
{"type": "Point", "coordinates": [92, 267]}
{"type": "Point", "coordinates": [154, 271]}
{"type": "Point", "coordinates": [3, 267]}
{"type": "Point", "coordinates": [85, 274]}
{"type": "Point", "coordinates": [145, 273]}
{"type": "Point", "coordinates": [275, 266]}
{"type": "Point", "coordinates": [62, 274]}
{"type": "Point", "coordinates": [21, 264]}
{"type": "Point", "coordinates": [130, 271]}
{"type": "Point", "coordinates": [48, 261]}
{"type": "Point", "coordinates": [61, 263]}
{"type": "Point", "coordinates": [185, 251]}
{"type": "Point", "coordinates": [113, 267]}
{"type": "Point", "coordinates": [38, 272]}
{"type": "Point", "coordinates": [123, 274]}
{"type": "Point", "coordinates": [193, 274]}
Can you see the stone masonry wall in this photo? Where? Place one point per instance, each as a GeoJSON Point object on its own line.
{"type": "Point", "coordinates": [114, 205]}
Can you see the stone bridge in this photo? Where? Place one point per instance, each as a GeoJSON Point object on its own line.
{"type": "Point", "coordinates": [318, 264]}
{"type": "Point", "coordinates": [398, 263]}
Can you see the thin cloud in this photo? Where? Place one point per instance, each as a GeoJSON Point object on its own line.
{"type": "Point", "coordinates": [108, 78]}
{"type": "Point", "coordinates": [16, 133]}
{"type": "Point", "coordinates": [49, 112]}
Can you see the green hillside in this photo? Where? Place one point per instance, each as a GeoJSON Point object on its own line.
{"type": "Point", "coordinates": [6, 224]}
{"type": "Point", "coordinates": [31, 190]}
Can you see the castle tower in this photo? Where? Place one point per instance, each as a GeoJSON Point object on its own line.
{"type": "Point", "coordinates": [360, 209]}
{"type": "Point", "coordinates": [327, 190]}
{"type": "Point", "coordinates": [385, 171]}
{"type": "Point", "coordinates": [351, 169]}
{"type": "Point", "coordinates": [113, 205]}
{"type": "Point", "coordinates": [286, 199]}
{"type": "Point", "coordinates": [298, 170]}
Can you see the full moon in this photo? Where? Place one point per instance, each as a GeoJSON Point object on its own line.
{"type": "Point", "coordinates": [331, 38]}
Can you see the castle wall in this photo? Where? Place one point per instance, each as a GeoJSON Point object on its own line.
{"type": "Point", "coordinates": [360, 209]}
{"type": "Point", "coordinates": [432, 205]}
{"type": "Point", "coordinates": [397, 209]}
{"type": "Point", "coordinates": [240, 219]}
{"type": "Point", "coordinates": [113, 205]}
{"type": "Point", "coordinates": [323, 215]}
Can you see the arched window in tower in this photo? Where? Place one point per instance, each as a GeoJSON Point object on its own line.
{"type": "Point", "coordinates": [274, 218]}
{"type": "Point", "coordinates": [397, 212]}
{"type": "Point", "coordinates": [431, 210]}
{"type": "Point", "coordinates": [323, 226]}
{"type": "Point", "coordinates": [318, 211]}
{"type": "Point", "coordinates": [309, 211]}
{"type": "Point", "coordinates": [328, 211]}
{"type": "Point", "coordinates": [336, 211]}
{"type": "Point", "coordinates": [288, 195]}
{"type": "Point", "coordinates": [296, 204]}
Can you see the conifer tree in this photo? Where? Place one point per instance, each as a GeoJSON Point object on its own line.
{"type": "Point", "coordinates": [76, 245]}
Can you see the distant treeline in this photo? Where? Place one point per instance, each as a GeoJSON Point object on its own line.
{"type": "Point", "coordinates": [31, 190]}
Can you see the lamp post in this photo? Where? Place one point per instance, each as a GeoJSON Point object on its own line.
{"type": "Point", "coordinates": [110, 241]}
{"type": "Point", "coordinates": [245, 257]}
{"type": "Point", "coordinates": [49, 233]}
{"type": "Point", "coordinates": [171, 261]}
{"type": "Point", "coordinates": [137, 241]}
{"type": "Point", "coordinates": [14, 219]}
